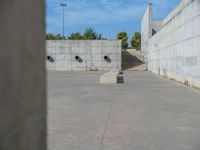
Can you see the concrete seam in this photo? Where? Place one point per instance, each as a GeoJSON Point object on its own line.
{"type": "Point", "coordinates": [106, 126]}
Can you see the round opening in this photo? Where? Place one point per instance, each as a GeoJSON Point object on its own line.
{"type": "Point", "coordinates": [79, 59]}
{"type": "Point", "coordinates": [106, 57]}
{"type": "Point", "coordinates": [76, 57]}
{"type": "Point", "coordinates": [49, 58]}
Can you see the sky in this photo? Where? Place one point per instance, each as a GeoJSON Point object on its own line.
{"type": "Point", "coordinates": [107, 17]}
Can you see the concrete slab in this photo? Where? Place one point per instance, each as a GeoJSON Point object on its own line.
{"type": "Point", "coordinates": [145, 113]}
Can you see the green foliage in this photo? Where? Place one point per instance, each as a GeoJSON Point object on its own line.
{"type": "Point", "coordinates": [91, 34]}
{"type": "Point", "coordinates": [124, 38]}
{"type": "Point", "coordinates": [136, 41]}
{"type": "Point", "coordinates": [51, 36]}
{"type": "Point", "coordinates": [75, 36]}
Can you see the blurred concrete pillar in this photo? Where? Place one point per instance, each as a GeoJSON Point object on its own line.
{"type": "Point", "coordinates": [22, 75]}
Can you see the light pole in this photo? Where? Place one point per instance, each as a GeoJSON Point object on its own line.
{"type": "Point", "coordinates": [63, 5]}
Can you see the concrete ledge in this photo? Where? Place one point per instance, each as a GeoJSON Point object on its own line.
{"type": "Point", "coordinates": [112, 77]}
{"type": "Point", "coordinates": [109, 78]}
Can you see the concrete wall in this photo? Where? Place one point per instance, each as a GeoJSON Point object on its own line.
{"type": "Point", "coordinates": [146, 31]}
{"type": "Point", "coordinates": [174, 51]}
{"type": "Point", "coordinates": [91, 53]}
{"type": "Point", "coordinates": [22, 75]}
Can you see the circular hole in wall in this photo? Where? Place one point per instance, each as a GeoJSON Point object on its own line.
{"type": "Point", "coordinates": [79, 59]}
{"type": "Point", "coordinates": [76, 57]}
{"type": "Point", "coordinates": [50, 59]}
{"type": "Point", "coordinates": [106, 58]}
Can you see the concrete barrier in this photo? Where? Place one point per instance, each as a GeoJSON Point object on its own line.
{"type": "Point", "coordinates": [84, 55]}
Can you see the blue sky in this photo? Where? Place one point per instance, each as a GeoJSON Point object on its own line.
{"type": "Point", "coordinates": [107, 17]}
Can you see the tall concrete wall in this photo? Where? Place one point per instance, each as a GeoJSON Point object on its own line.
{"type": "Point", "coordinates": [22, 75]}
{"type": "Point", "coordinates": [174, 51]}
{"type": "Point", "coordinates": [146, 31]}
{"type": "Point", "coordinates": [91, 53]}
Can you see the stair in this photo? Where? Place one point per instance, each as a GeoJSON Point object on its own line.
{"type": "Point", "coordinates": [132, 60]}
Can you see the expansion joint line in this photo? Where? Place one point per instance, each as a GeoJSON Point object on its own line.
{"type": "Point", "coordinates": [106, 125]}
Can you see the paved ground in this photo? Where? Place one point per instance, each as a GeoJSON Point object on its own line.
{"type": "Point", "coordinates": [146, 113]}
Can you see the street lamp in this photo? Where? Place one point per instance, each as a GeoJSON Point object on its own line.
{"type": "Point", "coordinates": [63, 5]}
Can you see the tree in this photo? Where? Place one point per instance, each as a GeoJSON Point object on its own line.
{"type": "Point", "coordinates": [136, 41]}
{"type": "Point", "coordinates": [124, 38]}
{"type": "Point", "coordinates": [51, 36]}
{"type": "Point", "coordinates": [91, 34]}
{"type": "Point", "coordinates": [59, 37]}
{"type": "Point", "coordinates": [75, 36]}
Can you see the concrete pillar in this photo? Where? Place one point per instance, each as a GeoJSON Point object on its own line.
{"type": "Point", "coordinates": [22, 75]}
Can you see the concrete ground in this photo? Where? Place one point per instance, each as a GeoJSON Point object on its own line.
{"type": "Point", "coordinates": [145, 113]}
